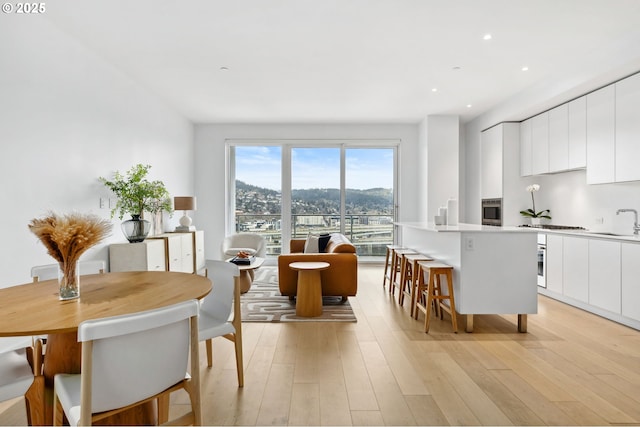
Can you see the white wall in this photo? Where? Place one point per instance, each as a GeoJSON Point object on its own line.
{"type": "Point", "coordinates": [66, 118]}
{"type": "Point", "coordinates": [440, 152]}
{"type": "Point", "coordinates": [210, 164]}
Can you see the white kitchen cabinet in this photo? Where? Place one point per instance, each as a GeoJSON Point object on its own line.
{"type": "Point", "coordinates": [525, 148]}
{"type": "Point", "coordinates": [559, 138]}
{"type": "Point", "coordinates": [554, 263]}
{"type": "Point", "coordinates": [630, 277]}
{"type": "Point", "coordinates": [627, 129]}
{"type": "Point", "coordinates": [540, 144]}
{"type": "Point", "coordinates": [143, 256]}
{"type": "Point", "coordinates": [604, 274]}
{"type": "Point", "coordinates": [491, 163]}
{"type": "Point", "coordinates": [575, 272]}
{"type": "Point", "coordinates": [578, 133]}
{"type": "Point", "coordinates": [601, 136]}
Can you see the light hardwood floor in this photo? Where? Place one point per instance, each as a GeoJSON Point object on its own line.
{"type": "Point", "coordinates": [571, 368]}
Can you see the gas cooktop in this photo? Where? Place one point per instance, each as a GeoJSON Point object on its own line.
{"type": "Point", "coordinates": [554, 227]}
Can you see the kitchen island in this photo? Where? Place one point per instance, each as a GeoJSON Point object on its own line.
{"type": "Point", "coordinates": [495, 268]}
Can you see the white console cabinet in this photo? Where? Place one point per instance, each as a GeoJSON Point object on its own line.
{"type": "Point", "coordinates": [144, 256]}
{"type": "Point", "coordinates": [185, 251]}
{"type": "Point", "coordinates": [181, 252]}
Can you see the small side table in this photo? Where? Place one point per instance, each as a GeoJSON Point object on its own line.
{"type": "Point", "coordinates": [309, 293]}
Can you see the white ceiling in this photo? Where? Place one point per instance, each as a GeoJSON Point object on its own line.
{"type": "Point", "coordinates": [362, 61]}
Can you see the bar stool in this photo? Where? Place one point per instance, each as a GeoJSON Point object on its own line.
{"type": "Point", "coordinates": [387, 263]}
{"type": "Point", "coordinates": [409, 277]}
{"type": "Point", "coordinates": [432, 293]}
{"type": "Point", "coordinates": [396, 268]}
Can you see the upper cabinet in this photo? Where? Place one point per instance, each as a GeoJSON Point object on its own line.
{"type": "Point", "coordinates": [555, 141]}
{"type": "Point", "coordinates": [627, 129]}
{"type": "Point", "coordinates": [577, 112]}
{"type": "Point", "coordinates": [491, 163]}
{"type": "Point", "coordinates": [526, 152]}
{"type": "Point", "coordinates": [613, 130]}
{"type": "Point", "coordinates": [540, 144]}
{"type": "Point", "coordinates": [498, 143]}
{"type": "Point", "coordinates": [559, 138]}
{"type": "Point", "coordinates": [601, 136]}
{"type": "Point", "coordinates": [599, 131]}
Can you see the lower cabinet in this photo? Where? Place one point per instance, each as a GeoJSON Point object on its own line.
{"type": "Point", "coordinates": [575, 271]}
{"type": "Point", "coordinates": [144, 256]}
{"type": "Point", "coordinates": [604, 274]}
{"type": "Point", "coordinates": [598, 275]}
{"type": "Point", "coordinates": [554, 263]}
{"type": "Point", "coordinates": [630, 253]}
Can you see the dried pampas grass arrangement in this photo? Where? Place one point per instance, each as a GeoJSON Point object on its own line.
{"type": "Point", "coordinates": [68, 236]}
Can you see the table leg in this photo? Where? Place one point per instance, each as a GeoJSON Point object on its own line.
{"type": "Point", "coordinates": [246, 279]}
{"type": "Point", "coordinates": [522, 323]}
{"type": "Point", "coordinates": [309, 294]}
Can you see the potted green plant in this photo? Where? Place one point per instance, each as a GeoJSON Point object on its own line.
{"type": "Point", "coordinates": [136, 195]}
{"type": "Point", "coordinates": [532, 213]}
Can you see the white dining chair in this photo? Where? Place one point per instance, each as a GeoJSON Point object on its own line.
{"type": "Point", "coordinates": [50, 271]}
{"type": "Point", "coordinates": [220, 311]}
{"type": "Point", "coordinates": [130, 360]}
{"type": "Point", "coordinates": [16, 374]}
{"type": "Point", "coordinates": [91, 267]}
{"type": "Point", "coordinates": [44, 272]}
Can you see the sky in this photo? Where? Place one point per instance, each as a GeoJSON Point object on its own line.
{"type": "Point", "coordinates": [315, 167]}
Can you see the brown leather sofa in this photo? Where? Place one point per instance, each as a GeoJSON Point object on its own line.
{"type": "Point", "coordinates": [340, 279]}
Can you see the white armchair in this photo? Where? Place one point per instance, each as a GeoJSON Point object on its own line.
{"type": "Point", "coordinates": [253, 243]}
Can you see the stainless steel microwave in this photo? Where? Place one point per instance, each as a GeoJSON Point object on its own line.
{"type": "Point", "coordinates": [492, 212]}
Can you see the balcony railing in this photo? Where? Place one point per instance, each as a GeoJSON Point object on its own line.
{"type": "Point", "coordinates": [369, 233]}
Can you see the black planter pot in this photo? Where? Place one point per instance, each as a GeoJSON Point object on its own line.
{"type": "Point", "coordinates": [136, 229]}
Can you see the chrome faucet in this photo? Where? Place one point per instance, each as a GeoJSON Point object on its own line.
{"type": "Point", "coordinates": [636, 227]}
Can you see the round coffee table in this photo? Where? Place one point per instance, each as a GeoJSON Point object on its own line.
{"type": "Point", "coordinates": [247, 273]}
{"type": "Point", "coordinates": [309, 293]}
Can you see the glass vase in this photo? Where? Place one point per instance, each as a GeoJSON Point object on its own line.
{"type": "Point", "coordinates": [136, 229]}
{"type": "Point", "coordinates": [69, 280]}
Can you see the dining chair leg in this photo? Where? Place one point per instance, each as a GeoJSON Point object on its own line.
{"type": "Point", "coordinates": [209, 345]}
{"type": "Point", "coordinates": [239, 362]}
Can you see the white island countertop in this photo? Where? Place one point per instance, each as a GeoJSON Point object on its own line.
{"type": "Point", "coordinates": [495, 269]}
{"type": "Point", "coordinates": [462, 227]}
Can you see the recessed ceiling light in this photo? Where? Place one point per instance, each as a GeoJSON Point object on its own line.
{"type": "Point", "coordinates": [468, 105]}
{"type": "Point", "coordinates": [525, 68]}
{"type": "Point", "coordinates": [435, 89]}
{"type": "Point", "coordinates": [487, 37]}
{"type": "Point", "coordinates": [224, 68]}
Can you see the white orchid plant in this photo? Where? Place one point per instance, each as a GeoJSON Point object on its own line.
{"type": "Point", "coordinates": [532, 213]}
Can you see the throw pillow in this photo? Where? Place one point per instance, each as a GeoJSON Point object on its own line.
{"type": "Point", "coordinates": [311, 245]}
{"type": "Point", "coordinates": [323, 241]}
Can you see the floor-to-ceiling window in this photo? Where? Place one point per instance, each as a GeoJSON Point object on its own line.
{"type": "Point", "coordinates": [285, 190]}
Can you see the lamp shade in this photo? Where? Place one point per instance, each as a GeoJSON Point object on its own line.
{"type": "Point", "coordinates": [184, 203]}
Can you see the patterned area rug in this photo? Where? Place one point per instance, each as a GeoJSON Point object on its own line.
{"type": "Point", "coordinates": [263, 303]}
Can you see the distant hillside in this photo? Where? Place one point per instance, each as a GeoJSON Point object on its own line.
{"type": "Point", "coordinates": [253, 199]}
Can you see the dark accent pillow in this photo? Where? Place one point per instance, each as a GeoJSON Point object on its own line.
{"type": "Point", "coordinates": [323, 241]}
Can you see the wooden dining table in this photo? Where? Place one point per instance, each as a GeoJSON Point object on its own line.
{"type": "Point", "coordinates": [35, 309]}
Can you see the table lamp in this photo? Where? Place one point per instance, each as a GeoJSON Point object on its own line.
{"type": "Point", "coordinates": [185, 204]}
